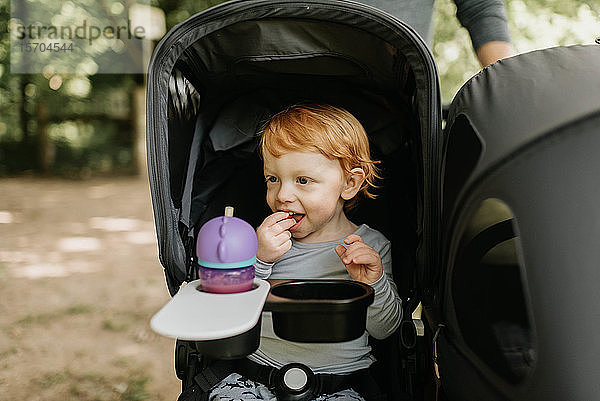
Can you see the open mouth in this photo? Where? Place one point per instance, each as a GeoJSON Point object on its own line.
{"type": "Point", "coordinates": [296, 216]}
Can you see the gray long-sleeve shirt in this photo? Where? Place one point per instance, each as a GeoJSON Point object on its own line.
{"type": "Point", "coordinates": [484, 19]}
{"type": "Point", "coordinates": [319, 261]}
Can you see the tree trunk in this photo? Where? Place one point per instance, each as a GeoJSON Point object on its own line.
{"type": "Point", "coordinates": [46, 149]}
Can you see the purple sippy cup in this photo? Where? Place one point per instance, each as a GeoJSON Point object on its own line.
{"type": "Point", "coordinates": [226, 249]}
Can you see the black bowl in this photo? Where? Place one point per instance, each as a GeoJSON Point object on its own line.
{"type": "Point", "coordinates": [319, 310]}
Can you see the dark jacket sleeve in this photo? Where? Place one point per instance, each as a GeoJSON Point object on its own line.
{"type": "Point", "coordinates": [484, 19]}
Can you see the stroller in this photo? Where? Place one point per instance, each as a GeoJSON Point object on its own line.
{"type": "Point", "coordinates": [519, 261]}
{"type": "Point", "coordinates": [217, 76]}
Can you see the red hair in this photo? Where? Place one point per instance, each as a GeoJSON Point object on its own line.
{"type": "Point", "coordinates": [331, 131]}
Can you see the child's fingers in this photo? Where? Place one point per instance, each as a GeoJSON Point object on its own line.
{"type": "Point", "coordinates": [275, 218]}
{"type": "Point", "coordinates": [358, 245]}
{"type": "Point", "coordinates": [283, 225]}
{"type": "Point", "coordinates": [358, 256]}
{"type": "Point", "coordinates": [347, 255]}
{"type": "Point", "coordinates": [363, 259]}
{"type": "Point", "coordinates": [286, 246]}
{"type": "Point", "coordinates": [343, 254]}
{"type": "Point", "coordinates": [340, 250]}
{"type": "Point", "coordinates": [282, 238]}
{"type": "Point", "coordinates": [352, 238]}
{"type": "Point", "coordinates": [273, 224]}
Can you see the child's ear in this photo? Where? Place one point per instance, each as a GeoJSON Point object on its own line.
{"type": "Point", "coordinates": [354, 180]}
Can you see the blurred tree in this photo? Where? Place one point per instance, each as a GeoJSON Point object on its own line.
{"type": "Point", "coordinates": [13, 98]}
{"type": "Point", "coordinates": [64, 123]}
{"type": "Point", "coordinates": [57, 121]}
{"type": "Point", "coordinates": [179, 10]}
{"type": "Point", "coordinates": [82, 124]}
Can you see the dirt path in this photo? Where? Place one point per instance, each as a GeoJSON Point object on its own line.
{"type": "Point", "coordinates": [79, 282]}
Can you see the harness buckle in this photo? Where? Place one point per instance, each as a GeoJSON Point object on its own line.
{"type": "Point", "coordinates": [294, 382]}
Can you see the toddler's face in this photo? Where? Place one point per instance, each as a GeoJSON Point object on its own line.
{"type": "Point", "coordinates": [309, 185]}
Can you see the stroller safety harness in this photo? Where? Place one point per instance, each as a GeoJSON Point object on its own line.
{"type": "Point", "coordinates": [291, 382]}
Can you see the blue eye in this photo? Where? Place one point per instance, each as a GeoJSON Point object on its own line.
{"type": "Point", "coordinates": [302, 180]}
{"type": "Point", "coordinates": [271, 179]}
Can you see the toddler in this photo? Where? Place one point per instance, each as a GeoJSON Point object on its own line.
{"type": "Point", "coordinates": [316, 164]}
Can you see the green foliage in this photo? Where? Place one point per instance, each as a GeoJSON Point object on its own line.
{"type": "Point", "coordinates": [89, 121]}
{"type": "Point", "coordinates": [452, 50]}
{"type": "Point", "coordinates": [178, 10]}
{"type": "Point", "coordinates": [89, 117]}
{"type": "Point", "coordinates": [561, 7]}
{"type": "Point", "coordinates": [90, 103]}
{"type": "Point", "coordinates": [9, 84]}
{"type": "Point", "coordinates": [533, 24]}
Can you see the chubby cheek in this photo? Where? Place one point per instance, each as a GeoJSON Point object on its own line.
{"type": "Point", "coordinates": [321, 207]}
{"type": "Point", "coordinates": [271, 200]}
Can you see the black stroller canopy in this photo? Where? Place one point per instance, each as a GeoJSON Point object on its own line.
{"type": "Point", "coordinates": [519, 286]}
{"type": "Point", "coordinates": [216, 77]}
{"type": "Point", "coordinates": [520, 100]}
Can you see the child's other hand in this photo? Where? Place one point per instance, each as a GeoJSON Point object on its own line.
{"type": "Point", "coordinates": [362, 262]}
{"type": "Point", "coordinates": [274, 237]}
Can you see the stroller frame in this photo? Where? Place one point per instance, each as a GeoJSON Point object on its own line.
{"type": "Point", "coordinates": [410, 84]}
{"type": "Point", "coordinates": [378, 68]}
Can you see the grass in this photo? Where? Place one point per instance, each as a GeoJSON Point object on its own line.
{"type": "Point", "coordinates": [121, 321]}
{"type": "Point", "coordinates": [8, 352]}
{"type": "Point", "coordinates": [113, 325]}
{"type": "Point", "coordinates": [118, 322]}
{"type": "Point", "coordinates": [44, 318]}
{"type": "Point", "coordinates": [136, 389]}
{"type": "Point", "coordinates": [94, 386]}
{"type": "Point", "coordinates": [51, 379]}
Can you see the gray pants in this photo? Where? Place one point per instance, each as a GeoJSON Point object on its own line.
{"type": "Point", "coordinates": [236, 388]}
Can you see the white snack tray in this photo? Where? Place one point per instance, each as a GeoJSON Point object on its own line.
{"type": "Point", "coordinates": [199, 316]}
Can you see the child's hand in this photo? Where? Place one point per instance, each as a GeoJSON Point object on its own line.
{"type": "Point", "coordinates": [274, 237]}
{"type": "Point", "coordinates": [362, 262]}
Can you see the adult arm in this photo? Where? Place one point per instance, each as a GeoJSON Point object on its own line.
{"type": "Point", "coordinates": [486, 22]}
{"type": "Point", "coordinates": [491, 52]}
